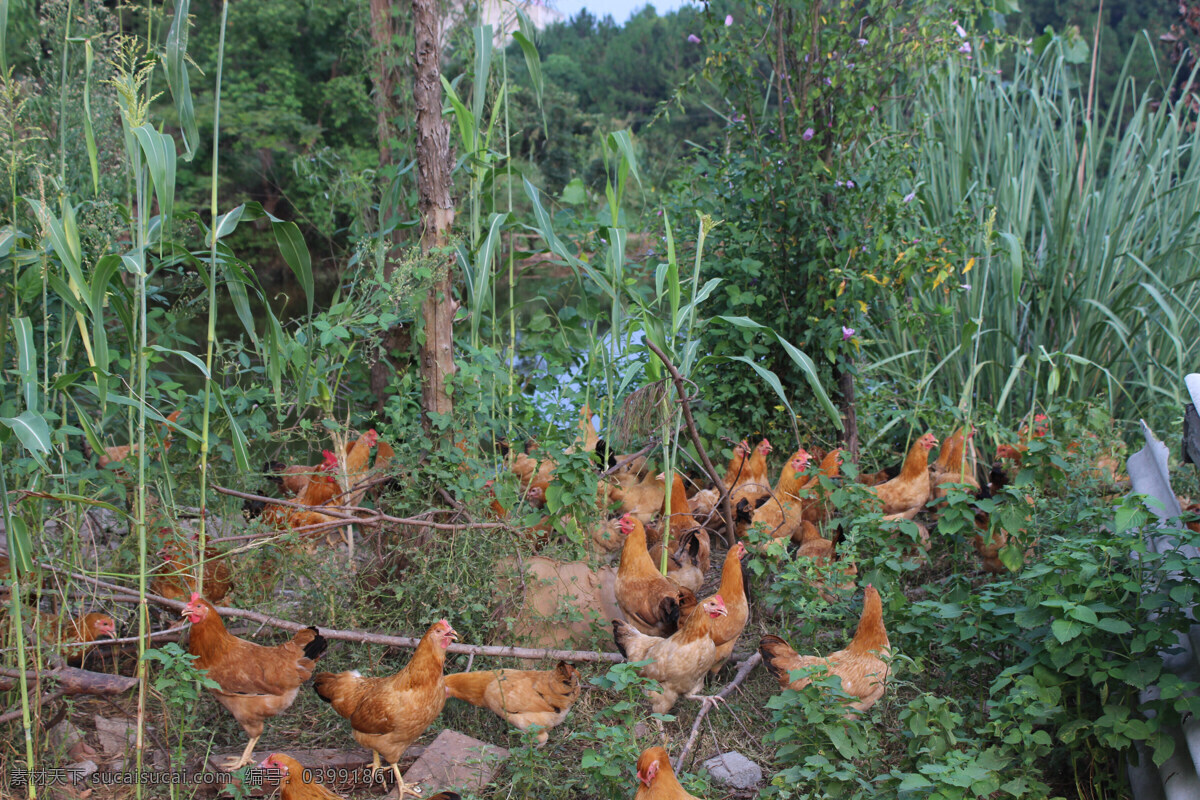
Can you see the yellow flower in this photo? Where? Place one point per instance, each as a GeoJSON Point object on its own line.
{"type": "Point", "coordinates": [969, 265]}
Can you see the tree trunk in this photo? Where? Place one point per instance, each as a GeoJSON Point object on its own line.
{"type": "Point", "coordinates": [849, 412]}
{"type": "Point", "coordinates": [437, 211]}
{"type": "Point", "coordinates": [383, 36]}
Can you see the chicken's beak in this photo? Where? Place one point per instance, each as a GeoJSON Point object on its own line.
{"type": "Point", "coordinates": [452, 635]}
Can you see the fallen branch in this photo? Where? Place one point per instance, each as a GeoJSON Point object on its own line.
{"type": "Point", "coordinates": [719, 484]}
{"type": "Point", "coordinates": [16, 713]}
{"type": "Point", "coordinates": [364, 637]}
{"type": "Point", "coordinates": [744, 670]}
{"type": "Point", "coordinates": [73, 681]}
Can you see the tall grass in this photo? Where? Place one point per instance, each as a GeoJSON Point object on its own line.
{"type": "Point", "coordinates": [1086, 287]}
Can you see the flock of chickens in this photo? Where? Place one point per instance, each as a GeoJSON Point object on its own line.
{"type": "Point", "coordinates": [684, 637]}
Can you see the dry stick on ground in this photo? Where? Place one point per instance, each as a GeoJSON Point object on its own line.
{"type": "Point", "coordinates": [744, 670]}
{"type": "Point", "coordinates": [532, 654]}
{"type": "Point", "coordinates": [691, 426]}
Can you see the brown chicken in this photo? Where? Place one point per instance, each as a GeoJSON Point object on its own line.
{"type": "Point", "coordinates": [118, 453]}
{"type": "Point", "coordinates": [649, 599]}
{"type": "Point", "coordinates": [816, 505]}
{"type": "Point", "coordinates": [679, 662]}
{"type": "Point", "coordinates": [735, 472]}
{"type": "Point", "coordinates": [256, 682]}
{"type": "Point", "coordinates": [949, 467]}
{"type": "Point", "coordinates": [909, 491]}
{"type": "Point", "coordinates": [680, 515]}
{"type": "Point", "coordinates": [525, 697]}
{"type": "Point", "coordinates": [726, 630]}
{"type": "Point", "coordinates": [175, 578]}
{"type": "Point", "coordinates": [295, 782]}
{"type": "Point", "coordinates": [644, 499]}
{"type": "Point", "coordinates": [318, 490]}
{"type": "Point", "coordinates": [84, 629]}
{"type": "Point", "coordinates": [1016, 452]}
{"type": "Point", "coordinates": [657, 777]}
{"type": "Point", "coordinates": [754, 484]}
{"type": "Point", "coordinates": [782, 512]}
{"type": "Point", "coordinates": [688, 560]}
{"type": "Point", "coordinates": [388, 714]}
{"type": "Point", "coordinates": [861, 666]}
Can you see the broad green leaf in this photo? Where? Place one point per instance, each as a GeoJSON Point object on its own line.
{"type": "Point", "coordinates": [26, 361]}
{"type": "Point", "coordinates": [807, 367]}
{"type": "Point", "coordinates": [175, 66]}
{"type": "Point", "coordinates": [546, 228]}
{"type": "Point", "coordinates": [1016, 261]}
{"type": "Point", "coordinates": [89, 431]}
{"type": "Point", "coordinates": [20, 549]}
{"type": "Point", "coordinates": [1065, 629]}
{"type": "Point", "coordinates": [31, 429]}
{"type": "Point", "coordinates": [89, 135]}
{"type": "Point", "coordinates": [1084, 615]}
{"type": "Point", "coordinates": [623, 141]}
{"type": "Point", "coordinates": [240, 445]}
{"type": "Point", "coordinates": [227, 223]}
{"type": "Point", "coordinates": [186, 356]}
{"type": "Point", "coordinates": [483, 68]}
{"type": "Point", "coordinates": [159, 149]}
{"type": "Point", "coordinates": [478, 276]}
{"type": "Point", "coordinates": [295, 253]}
{"type": "Point", "coordinates": [525, 37]}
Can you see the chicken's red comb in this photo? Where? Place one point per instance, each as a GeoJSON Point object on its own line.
{"type": "Point", "coordinates": [195, 598]}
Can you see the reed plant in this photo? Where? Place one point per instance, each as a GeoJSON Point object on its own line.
{"type": "Point", "coordinates": [1078, 260]}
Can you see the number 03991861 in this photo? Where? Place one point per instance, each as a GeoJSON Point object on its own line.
{"type": "Point", "coordinates": [344, 775]}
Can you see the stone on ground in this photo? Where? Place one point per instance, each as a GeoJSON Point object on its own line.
{"type": "Point", "coordinates": [455, 761]}
{"type": "Point", "coordinates": [735, 770]}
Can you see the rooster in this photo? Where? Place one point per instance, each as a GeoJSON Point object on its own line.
{"type": "Point", "coordinates": [862, 666]}
{"type": "Point", "coordinates": [388, 714]}
{"type": "Point", "coordinates": [254, 683]}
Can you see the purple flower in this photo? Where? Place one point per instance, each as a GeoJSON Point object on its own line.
{"type": "Point", "coordinates": [960, 31]}
{"type": "Point", "coordinates": [847, 333]}
{"type": "Point", "coordinates": [966, 287]}
{"type": "Point", "coordinates": [829, 81]}
{"type": "Point", "coordinates": [908, 198]}
{"type": "Point", "coordinates": [966, 47]}
{"type": "Point", "coordinates": [808, 134]}
{"type": "Point", "coordinates": [839, 184]}
{"type": "Point", "coordinates": [862, 42]}
{"type": "Point", "coordinates": [693, 38]}
{"type": "Point", "coordinates": [728, 20]}
{"type": "Point", "coordinates": [849, 184]}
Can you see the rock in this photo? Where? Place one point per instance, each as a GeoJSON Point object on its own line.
{"type": "Point", "coordinates": [734, 770]}
{"type": "Point", "coordinates": [116, 736]}
{"type": "Point", "coordinates": [80, 771]}
{"type": "Point", "coordinates": [66, 736]}
{"type": "Point", "coordinates": [455, 761]}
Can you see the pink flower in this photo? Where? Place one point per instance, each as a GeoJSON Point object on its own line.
{"type": "Point", "coordinates": [808, 134]}
{"type": "Point", "coordinates": [728, 20]}
{"type": "Point", "coordinates": [847, 333]}
{"type": "Point", "coordinates": [693, 38]}
{"type": "Point", "coordinates": [966, 47]}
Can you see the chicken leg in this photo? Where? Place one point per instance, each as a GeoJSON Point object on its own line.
{"type": "Point", "coordinates": [246, 758]}
{"type": "Point", "coordinates": [706, 700]}
{"type": "Point", "coordinates": [401, 787]}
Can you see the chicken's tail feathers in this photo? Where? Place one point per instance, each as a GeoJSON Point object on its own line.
{"type": "Point", "coordinates": [325, 685]}
{"type": "Point", "coordinates": [312, 641]}
{"type": "Point", "coordinates": [773, 648]}
{"type": "Point", "coordinates": [623, 633]}
{"type": "Point", "coordinates": [668, 607]}
{"type": "Point", "coordinates": [469, 686]}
